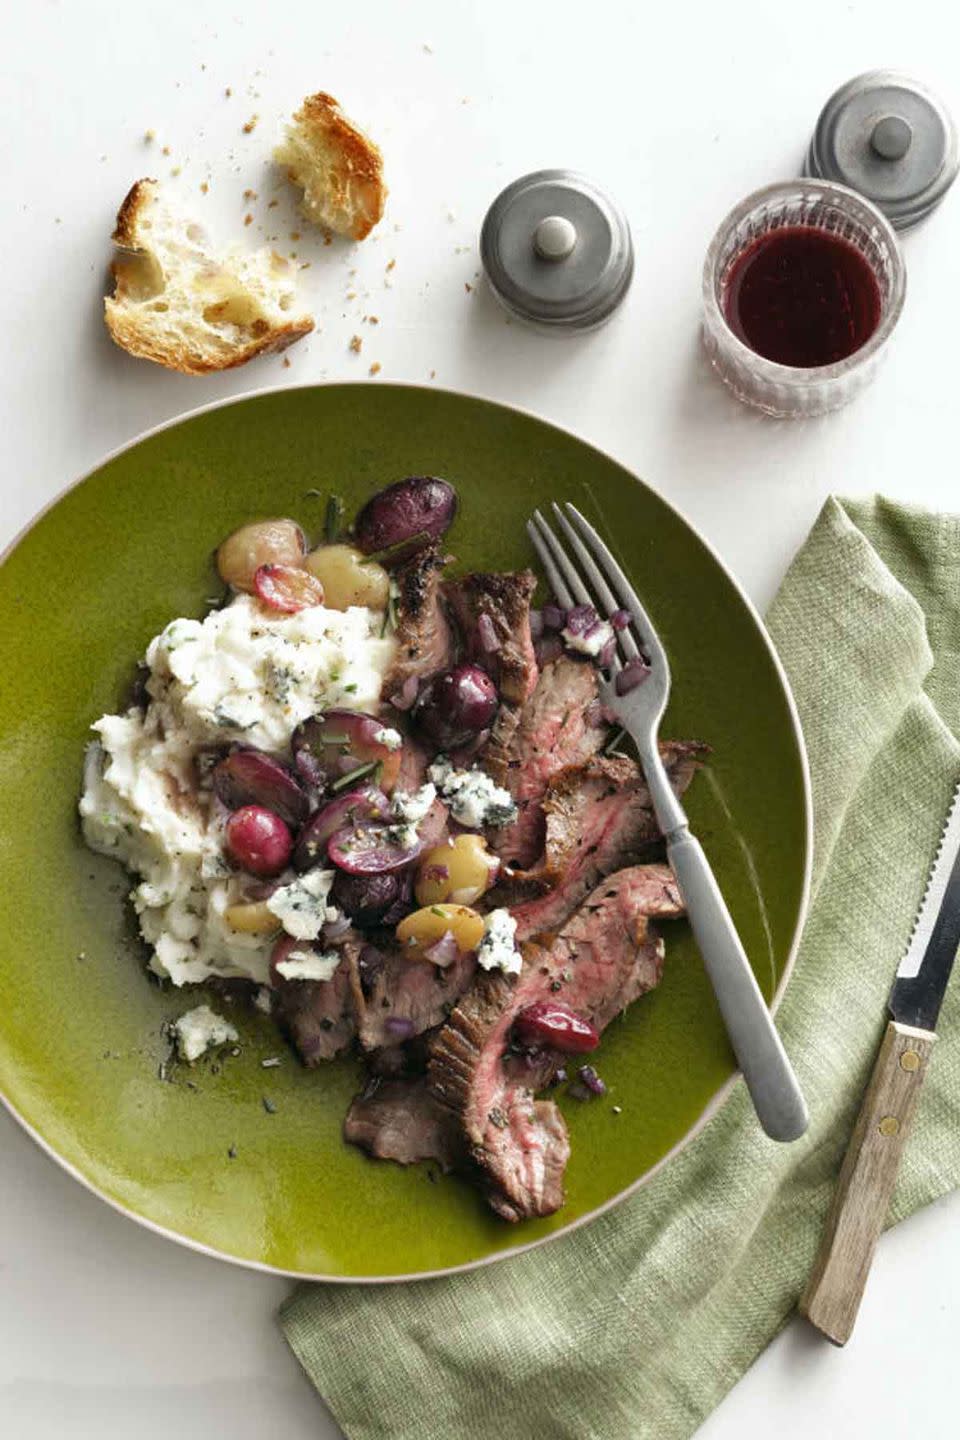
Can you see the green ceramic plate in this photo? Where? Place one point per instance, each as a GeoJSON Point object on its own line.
{"type": "Point", "coordinates": [83, 591]}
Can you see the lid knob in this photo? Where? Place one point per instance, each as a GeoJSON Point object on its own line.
{"type": "Point", "coordinates": [890, 137]}
{"type": "Point", "coordinates": [554, 238]}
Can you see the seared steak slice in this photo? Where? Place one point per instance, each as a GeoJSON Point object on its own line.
{"type": "Point", "coordinates": [401, 1120]}
{"type": "Point", "coordinates": [599, 817]}
{"type": "Point", "coordinates": [321, 1015]}
{"type": "Point", "coordinates": [507, 652]}
{"type": "Point", "coordinates": [556, 729]}
{"type": "Point", "coordinates": [423, 635]}
{"type": "Point", "coordinates": [404, 997]}
{"type": "Point", "coordinates": [603, 959]}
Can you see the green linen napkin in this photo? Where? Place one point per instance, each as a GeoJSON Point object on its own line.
{"type": "Point", "coordinates": [637, 1324]}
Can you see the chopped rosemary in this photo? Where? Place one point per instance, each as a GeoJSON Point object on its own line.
{"type": "Point", "coordinates": [361, 773]}
{"type": "Point", "coordinates": [392, 551]}
{"type": "Point", "coordinates": [312, 494]}
{"type": "Point", "coordinates": [333, 520]}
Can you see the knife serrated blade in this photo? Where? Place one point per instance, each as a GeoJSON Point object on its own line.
{"type": "Point", "coordinates": [924, 971]}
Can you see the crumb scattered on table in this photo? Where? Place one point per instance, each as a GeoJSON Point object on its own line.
{"type": "Point", "coordinates": [165, 150]}
{"type": "Point", "coordinates": [251, 125]}
{"type": "Point", "coordinates": [375, 368]}
{"type": "Point", "coordinates": [149, 137]}
{"type": "Point", "coordinates": [391, 264]}
{"type": "Point", "coordinates": [248, 218]}
{"type": "Point", "coordinates": [204, 187]}
{"type": "Point", "coordinates": [356, 344]}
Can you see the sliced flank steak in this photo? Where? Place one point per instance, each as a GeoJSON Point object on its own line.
{"type": "Point", "coordinates": [557, 728]}
{"type": "Point", "coordinates": [602, 959]}
{"type": "Point", "coordinates": [320, 1016]}
{"type": "Point", "coordinates": [599, 817]}
{"type": "Point", "coordinates": [399, 1119]}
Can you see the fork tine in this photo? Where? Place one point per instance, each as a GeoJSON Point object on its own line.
{"type": "Point", "coordinates": [627, 595]}
{"type": "Point", "coordinates": [607, 598]}
{"type": "Point", "coordinates": [546, 559]}
{"type": "Point", "coordinates": [559, 566]}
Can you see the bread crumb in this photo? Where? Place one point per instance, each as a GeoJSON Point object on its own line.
{"type": "Point", "coordinates": [251, 125]}
{"type": "Point", "coordinates": [248, 219]}
{"type": "Point", "coordinates": [175, 169]}
{"type": "Point", "coordinates": [249, 195]}
{"type": "Point", "coordinates": [356, 344]}
{"type": "Point", "coordinates": [328, 238]}
{"type": "Point", "coordinates": [286, 362]}
{"type": "Point", "coordinates": [273, 204]}
{"type": "Point", "coordinates": [375, 368]}
{"type": "Point", "coordinates": [351, 294]}
{"type": "Point", "coordinates": [229, 91]}
{"type": "Point", "coordinates": [204, 187]}
{"type": "Point", "coordinates": [165, 150]}
{"type": "Point", "coordinates": [467, 286]}
{"type": "Point", "coordinates": [373, 319]}
{"type": "Point", "coordinates": [391, 264]}
{"type": "Point", "coordinates": [433, 374]}
{"type": "Point", "coordinates": [149, 137]}
{"type": "Point", "coordinates": [294, 235]}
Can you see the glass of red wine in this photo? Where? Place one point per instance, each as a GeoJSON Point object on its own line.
{"type": "Point", "coordinates": [802, 286]}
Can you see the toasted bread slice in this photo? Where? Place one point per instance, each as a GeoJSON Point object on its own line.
{"type": "Point", "coordinates": [178, 303]}
{"type": "Point", "coordinates": [338, 168]}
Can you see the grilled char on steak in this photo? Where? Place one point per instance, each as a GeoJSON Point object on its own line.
{"type": "Point", "coordinates": [555, 730]}
{"type": "Point", "coordinates": [505, 601]}
{"type": "Point", "coordinates": [320, 1015]}
{"type": "Point", "coordinates": [424, 639]}
{"type": "Point", "coordinates": [603, 959]}
{"type": "Point", "coordinates": [599, 817]}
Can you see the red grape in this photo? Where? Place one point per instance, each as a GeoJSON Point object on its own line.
{"type": "Point", "coordinates": [248, 777]}
{"type": "Point", "coordinates": [287, 588]}
{"type": "Point", "coordinates": [551, 1023]}
{"type": "Point", "coordinates": [258, 841]}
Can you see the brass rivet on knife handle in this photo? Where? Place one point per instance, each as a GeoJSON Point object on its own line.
{"type": "Point", "coordinates": [867, 1178]}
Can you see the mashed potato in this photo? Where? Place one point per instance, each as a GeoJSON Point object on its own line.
{"type": "Point", "coordinates": [243, 675]}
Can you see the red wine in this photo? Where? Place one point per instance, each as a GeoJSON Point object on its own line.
{"type": "Point", "coordinates": [801, 296]}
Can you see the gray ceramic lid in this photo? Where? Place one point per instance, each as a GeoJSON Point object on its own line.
{"type": "Point", "coordinates": [890, 138]}
{"type": "Point", "coordinates": [557, 250]}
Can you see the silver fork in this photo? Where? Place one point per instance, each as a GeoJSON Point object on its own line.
{"type": "Point", "coordinates": [773, 1087]}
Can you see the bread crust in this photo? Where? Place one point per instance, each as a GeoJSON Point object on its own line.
{"type": "Point", "coordinates": [356, 164]}
{"type": "Point", "coordinates": [128, 331]}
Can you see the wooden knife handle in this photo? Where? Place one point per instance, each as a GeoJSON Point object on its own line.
{"type": "Point", "coordinates": [867, 1177]}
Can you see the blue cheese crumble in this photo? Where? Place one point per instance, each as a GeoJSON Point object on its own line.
{"type": "Point", "coordinates": [301, 907]}
{"type": "Point", "coordinates": [498, 948]}
{"type": "Point", "coordinates": [408, 808]}
{"type": "Point", "coordinates": [309, 965]}
{"type": "Point", "coordinates": [471, 796]}
{"type": "Point", "coordinates": [591, 642]}
{"type": "Point", "coordinates": [198, 1030]}
{"type": "Point", "coordinates": [389, 738]}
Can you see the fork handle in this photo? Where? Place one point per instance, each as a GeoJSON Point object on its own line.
{"type": "Point", "coordinates": [773, 1086]}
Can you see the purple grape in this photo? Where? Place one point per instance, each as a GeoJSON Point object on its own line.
{"type": "Point", "coordinates": [248, 777]}
{"type": "Point", "coordinates": [367, 898]}
{"type": "Point", "coordinates": [455, 705]}
{"type": "Point", "coordinates": [405, 516]}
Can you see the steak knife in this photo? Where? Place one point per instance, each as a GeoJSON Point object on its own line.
{"type": "Point", "coordinates": [869, 1172]}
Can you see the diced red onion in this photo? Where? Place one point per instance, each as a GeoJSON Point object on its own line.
{"type": "Point", "coordinates": [487, 634]}
{"type": "Point", "coordinates": [336, 929]}
{"type": "Point", "coordinates": [633, 674]}
{"type": "Point", "coordinates": [589, 1077]}
{"type": "Point", "coordinates": [606, 655]}
{"type": "Point", "coordinates": [407, 694]}
{"type": "Point", "coordinates": [536, 624]}
{"type": "Point", "coordinates": [401, 1027]}
{"type": "Point", "coordinates": [547, 649]}
{"type": "Point", "coordinates": [620, 619]}
{"type": "Point", "coordinates": [444, 952]}
{"type": "Point", "coordinates": [261, 891]}
{"type": "Point", "coordinates": [553, 617]}
{"type": "Point", "coordinates": [559, 1077]}
{"type": "Point", "coordinates": [581, 619]}
{"type": "Point", "coordinates": [594, 713]}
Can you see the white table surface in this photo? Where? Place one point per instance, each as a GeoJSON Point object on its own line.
{"type": "Point", "coordinates": [105, 1329]}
